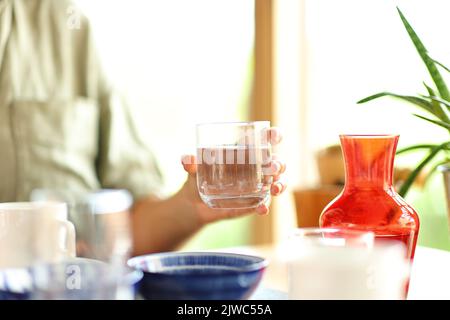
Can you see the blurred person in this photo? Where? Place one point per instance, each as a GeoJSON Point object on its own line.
{"type": "Point", "coordinates": [63, 126]}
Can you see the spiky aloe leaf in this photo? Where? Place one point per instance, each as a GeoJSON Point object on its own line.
{"type": "Point", "coordinates": [438, 110]}
{"type": "Point", "coordinates": [441, 65]}
{"type": "Point", "coordinates": [420, 102]}
{"type": "Point", "coordinates": [429, 63]}
{"type": "Point", "coordinates": [437, 99]}
{"type": "Point", "coordinates": [416, 147]}
{"type": "Point", "coordinates": [441, 108]}
{"type": "Point", "coordinates": [434, 104]}
{"type": "Point", "coordinates": [439, 123]}
{"type": "Point", "coordinates": [415, 173]}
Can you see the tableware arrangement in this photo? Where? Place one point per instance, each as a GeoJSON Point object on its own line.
{"type": "Point", "coordinates": [233, 163]}
{"type": "Point", "coordinates": [199, 275]}
{"type": "Point", "coordinates": [345, 264]}
{"type": "Point", "coordinates": [363, 249]}
{"type": "Point", "coordinates": [38, 245]}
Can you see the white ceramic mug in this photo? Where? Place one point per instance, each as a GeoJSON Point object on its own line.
{"type": "Point", "coordinates": [34, 232]}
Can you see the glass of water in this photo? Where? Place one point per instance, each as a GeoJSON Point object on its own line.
{"type": "Point", "coordinates": [233, 164]}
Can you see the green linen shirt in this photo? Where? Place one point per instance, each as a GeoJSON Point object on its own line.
{"type": "Point", "coordinates": [62, 126]}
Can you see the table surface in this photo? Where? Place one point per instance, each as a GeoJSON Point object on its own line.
{"type": "Point", "coordinates": [430, 275]}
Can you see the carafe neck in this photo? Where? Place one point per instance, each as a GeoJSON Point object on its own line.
{"type": "Point", "coordinates": [369, 160]}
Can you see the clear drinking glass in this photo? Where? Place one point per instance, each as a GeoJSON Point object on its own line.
{"type": "Point", "coordinates": [83, 279]}
{"type": "Point", "coordinates": [345, 264]}
{"type": "Point", "coordinates": [70, 279]}
{"type": "Point", "coordinates": [101, 220]}
{"type": "Point", "coordinates": [233, 164]}
{"type": "Point", "coordinates": [103, 229]}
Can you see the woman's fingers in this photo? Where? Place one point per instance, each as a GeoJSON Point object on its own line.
{"type": "Point", "coordinates": [275, 170]}
{"type": "Point", "coordinates": [271, 169]}
{"type": "Point", "coordinates": [281, 165]}
{"type": "Point", "coordinates": [275, 136]}
{"type": "Point", "coordinates": [278, 184]}
{"type": "Point", "coordinates": [263, 209]}
{"type": "Point", "coordinates": [278, 188]}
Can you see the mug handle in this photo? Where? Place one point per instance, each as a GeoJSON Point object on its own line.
{"type": "Point", "coordinates": [70, 238]}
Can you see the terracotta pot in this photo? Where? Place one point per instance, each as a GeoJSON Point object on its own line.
{"type": "Point", "coordinates": [310, 203]}
{"type": "Point", "coordinates": [330, 164]}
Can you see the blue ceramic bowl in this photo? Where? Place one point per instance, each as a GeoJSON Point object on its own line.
{"type": "Point", "coordinates": [15, 284]}
{"type": "Point", "coordinates": [198, 275]}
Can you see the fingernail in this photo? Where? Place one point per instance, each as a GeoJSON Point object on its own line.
{"type": "Point", "coordinates": [276, 166]}
{"type": "Point", "coordinates": [275, 135]}
{"type": "Point", "coordinates": [280, 188]}
{"type": "Point", "coordinates": [277, 188]}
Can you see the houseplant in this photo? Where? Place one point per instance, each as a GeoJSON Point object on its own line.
{"type": "Point", "coordinates": [436, 104]}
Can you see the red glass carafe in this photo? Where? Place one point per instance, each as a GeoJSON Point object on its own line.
{"type": "Point", "coordinates": [368, 200]}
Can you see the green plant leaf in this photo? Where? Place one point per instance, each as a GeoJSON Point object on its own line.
{"type": "Point", "coordinates": [429, 63]}
{"type": "Point", "coordinates": [438, 122]}
{"type": "Point", "coordinates": [434, 98]}
{"type": "Point", "coordinates": [434, 169]}
{"type": "Point", "coordinates": [429, 90]}
{"type": "Point", "coordinates": [438, 110]}
{"type": "Point", "coordinates": [415, 173]}
{"type": "Point", "coordinates": [441, 65]}
{"type": "Point", "coordinates": [416, 147]}
{"type": "Point", "coordinates": [435, 104]}
{"type": "Point", "coordinates": [420, 102]}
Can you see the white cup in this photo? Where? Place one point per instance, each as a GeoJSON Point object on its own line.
{"type": "Point", "coordinates": [34, 232]}
{"type": "Point", "coordinates": [349, 274]}
{"type": "Point", "coordinates": [330, 264]}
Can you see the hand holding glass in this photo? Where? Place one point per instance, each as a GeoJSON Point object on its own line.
{"type": "Point", "coordinates": [233, 164]}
